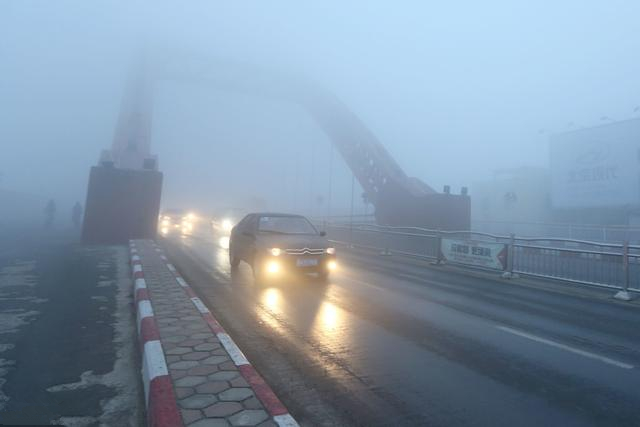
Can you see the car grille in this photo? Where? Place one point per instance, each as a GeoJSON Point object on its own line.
{"type": "Point", "coordinates": [304, 251]}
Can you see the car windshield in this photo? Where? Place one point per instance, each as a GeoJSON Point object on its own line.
{"type": "Point", "coordinates": [285, 225]}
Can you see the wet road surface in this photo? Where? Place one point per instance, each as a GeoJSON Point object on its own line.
{"type": "Point", "coordinates": [392, 341]}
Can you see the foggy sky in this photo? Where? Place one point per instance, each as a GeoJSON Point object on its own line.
{"type": "Point", "coordinates": [453, 90]}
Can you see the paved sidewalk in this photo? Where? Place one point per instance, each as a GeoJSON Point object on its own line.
{"type": "Point", "coordinates": [210, 389]}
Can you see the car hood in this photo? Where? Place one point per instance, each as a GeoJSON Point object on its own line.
{"type": "Point", "coordinates": [292, 241]}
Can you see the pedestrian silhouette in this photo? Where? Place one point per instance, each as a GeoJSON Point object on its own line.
{"type": "Point", "coordinates": [76, 214]}
{"type": "Point", "coordinates": [49, 213]}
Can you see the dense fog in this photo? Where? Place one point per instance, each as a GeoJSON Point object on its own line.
{"type": "Point", "coordinates": [453, 90]}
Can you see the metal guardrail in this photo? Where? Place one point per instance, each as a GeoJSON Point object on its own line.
{"type": "Point", "coordinates": [609, 265]}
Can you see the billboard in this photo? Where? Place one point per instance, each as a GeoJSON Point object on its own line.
{"type": "Point", "coordinates": [471, 252]}
{"type": "Point", "coordinates": [596, 167]}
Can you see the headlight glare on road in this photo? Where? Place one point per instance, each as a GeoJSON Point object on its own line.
{"type": "Point", "coordinates": [165, 222]}
{"type": "Point", "coordinates": [273, 267]}
{"type": "Point", "coordinates": [275, 251]}
{"type": "Point", "coordinates": [331, 251]}
{"type": "Point", "coordinates": [332, 265]}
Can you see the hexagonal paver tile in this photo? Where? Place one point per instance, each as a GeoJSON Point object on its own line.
{"type": "Point", "coordinates": [190, 342]}
{"type": "Point", "coordinates": [203, 370]}
{"type": "Point", "coordinates": [224, 376]}
{"type": "Point", "coordinates": [198, 401]}
{"type": "Point", "coordinates": [175, 338]}
{"type": "Point", "coordinates": [182, 392]}
{"type": "Point", "coordinates": [215, 360]}
{"type": "Point", "coordinates": [236, 394]}
{"type": "Point", "coordinates": [183, 364]}
{"type": "Point", "coordinates": [219, 352]}
{"type": "Point", "coordinates": [223, 409]}
{"type": "Point", "coordinates": [196, 355]}
{"type": "Point", "coordinates": [172, 358]}
{"type": "Point", "coordinates": [252, 403]}
{"type": "Point", "coordinates": [190, 381]}
{"type": "Point", "coordinates": [208, 346]}
{"type": "Point", "coordinates": [226, 366]}
{"type": "Point", "coordinates": [210, 422]}
{"type": "Point", "coordinates": [239, 382]}
{"type": "Point", "coordinates": [248, 417]}
{"type": "Point", "coordinates": [178, 350]}
{"type": "Point", "coordinates": [191, 415]}
{"type": "Point", "coordinates": [268, 423]}
{"type": "Point", "coordinates": [213, 387]}
{"type": "Point", "coordinates": [176, 374]}
{"type": "Point", "coordinates": [201, 335]}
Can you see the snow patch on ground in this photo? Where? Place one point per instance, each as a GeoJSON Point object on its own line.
{"type": "Point", "coordinates": [106, 283]}
{"type": "Point", "coordinates": [16, 280]}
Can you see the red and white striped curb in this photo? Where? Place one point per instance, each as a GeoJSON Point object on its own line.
{"type": "Point", "coordinates": [160, 400]}
{"type": "Point", "coordinates": [274, 406]}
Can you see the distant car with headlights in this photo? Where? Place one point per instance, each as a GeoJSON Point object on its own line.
{"type": "Point", "coordinates": [176, 220]}
{"type": "Point", "coordinates": [224, 220]}
{"type": "Point", "coordinates": [275, 244]}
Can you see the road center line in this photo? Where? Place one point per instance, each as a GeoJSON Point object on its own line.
{"type": "Point", "coordinates": [566, 347]}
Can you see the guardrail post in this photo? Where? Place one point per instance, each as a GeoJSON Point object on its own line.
{"type": "Point", "coordinates": [509, 274]}
{"type": "Point", "coordinates": [624, 293]}
{"type": "Point", "coordinates": [439, 258]}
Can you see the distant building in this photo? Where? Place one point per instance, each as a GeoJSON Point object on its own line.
{"type": "Point", "coordinates": [595, 174]}
{"type": "Point", "coordinates": [519, 195]}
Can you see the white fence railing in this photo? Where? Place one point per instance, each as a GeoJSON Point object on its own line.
{"type": "Point", "coordinates": [612, 265]}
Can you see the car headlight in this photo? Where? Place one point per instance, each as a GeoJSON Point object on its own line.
{"type": "Point", "coordinates": [331, 251]}
{"type": "Point", "coordinates": [332, 265]}
{"type": "Point", "coordinates": [273, 267]}
{"type": "Point", "coordinates": [227, 224]}
{"type": "Point", "coordinates": [165, 222]}
{"type": "Point", "coordinates": [275, 251]}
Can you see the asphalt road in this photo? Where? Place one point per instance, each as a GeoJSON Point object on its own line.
{"type": "Point", "coordinates": [67, 332]}
{"type": "Point", "coordinates": [392, 341]}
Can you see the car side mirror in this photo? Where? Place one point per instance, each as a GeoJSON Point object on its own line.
{"type": "Point", "coordinates": [323, 233]}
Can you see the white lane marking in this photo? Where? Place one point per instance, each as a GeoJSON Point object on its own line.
{"type": "Point", "coordinates": [137, 268]}
{"type": "Point", "coordinates": [181, 282]}
{"type": "Point", "coordinates": [233, 350]}
{"type": "Point", "coordinates": [162, 257]}
{"type": "Point", "coordinates": [199, 305]}
{"type": "Point", "coordinates": [135, 258]}
{"type": "Point", "coordinates": [153, 365]}
{"type": "Point", "coordinates": [144, 310]}
{"type": "Point", "coordinates": [171, 268]}
{"type": "Point", "coordinates": [140, 284]}
{"type": "Point", "coordinates": [285, 420]}
{"type": "Point", "coordinates": [567, 348]}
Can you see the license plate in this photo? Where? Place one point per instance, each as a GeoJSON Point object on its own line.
{"type": "Point", "coordinates": [306, 262]}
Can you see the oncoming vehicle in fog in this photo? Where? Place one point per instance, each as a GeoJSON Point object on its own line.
{"type": "Point", "coordinates": [176, 220]}
{"type": "Point", "coordinates": [275, 244]}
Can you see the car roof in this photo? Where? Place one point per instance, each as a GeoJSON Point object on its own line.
{"type": "Point", "coordinates": [277, 214]}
